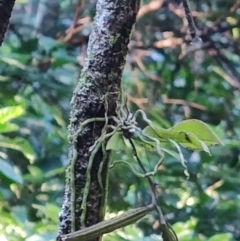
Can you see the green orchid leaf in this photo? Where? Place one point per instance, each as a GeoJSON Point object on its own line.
{"type": "Point", "coordinates": [187, 140]}
{"type": "Point", "coordinates": [160, 133]}
{"type": "Point", "coordinates": [9, 113]}
{"type": "Point", "coordinates": [201, 130]}
{"type": "Point", "coordinates": [191, 134]}
{"type": "Point", "coordinates": [18, 144]}
{"type": "Point", "coordinates": [144, 141]}
{"type": "Point", "coordinates": [147, 146]}
{"type": "Point", "coordinates": [116, 142]}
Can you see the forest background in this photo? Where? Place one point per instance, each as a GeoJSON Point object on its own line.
{"type": "Point", "coordinates": [166, 76]}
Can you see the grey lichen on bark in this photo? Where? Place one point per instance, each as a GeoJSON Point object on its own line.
{"type": "Point", "coordinates": [100, 78]}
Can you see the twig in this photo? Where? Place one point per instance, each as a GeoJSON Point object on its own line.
{"type": "Point", "coordinates": [168, 233]}
{"type": "Point", "coordinates": [191, 23]}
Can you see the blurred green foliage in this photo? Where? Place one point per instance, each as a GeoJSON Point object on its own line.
{"type": "Point", "coordinates": [164, 75]}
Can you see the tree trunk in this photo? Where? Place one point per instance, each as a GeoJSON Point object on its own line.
{"type": "Point", "coordinates": [100, 81]}
{"type": "Point", "coordinates": [6, 7]}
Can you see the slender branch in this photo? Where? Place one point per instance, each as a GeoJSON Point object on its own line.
{"type": "Point", "coordinates": [168, 233]}
{"type": "Point", "coordinates": [191, 23]}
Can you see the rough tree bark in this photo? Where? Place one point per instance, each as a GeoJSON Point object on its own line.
{"type": "Point", "coordinates": [100, 79]}
{"type": "Point", "coordinates": [6, 7]}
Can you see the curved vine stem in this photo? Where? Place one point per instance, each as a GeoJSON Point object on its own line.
{"type": "Point", "coordinates": [94, 149]}
{"type": "Point", "coordinates": [72, 166]}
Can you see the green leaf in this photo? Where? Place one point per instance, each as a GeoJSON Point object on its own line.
{"type": "Point", "coordinates": [191, 134]}
{"type": "Point", "coordinates": [7, 171]}
{"type": "Point", "coordinates": [201, 130]}
{"type": "Point", "coordinates": [8, 127]}
{"type": "Point", "coordinates": [13, 62]}
{"type": "Point", "coordinates": [144, 141]}
{"type": "Point", "coordinates": [48, 43]}
{"type": "Point", "coordinates": [18, 144]}
{"type": "Point", "coordinates": [116, 142]}
{"type": "Point", "coordinates": [161, 134]}
{"type": "Point", "coordinates": [187, 140]}
{"type": "Point", "coordinates": [49, 210]}
{"type": "Point", "coordinates": [9, 113]}
{"type": "Point", "coordinates": [221, 237]}
{"type": "Point", "coordinates": [147, 146]}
